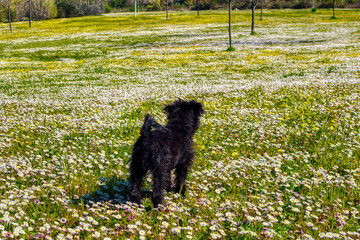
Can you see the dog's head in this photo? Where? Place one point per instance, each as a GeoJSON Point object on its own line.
{"type": "Point", "coordinates": [185, 112]}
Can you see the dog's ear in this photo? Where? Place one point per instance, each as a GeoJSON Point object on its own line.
{"type": "Point", "coordinates": [197, 108]}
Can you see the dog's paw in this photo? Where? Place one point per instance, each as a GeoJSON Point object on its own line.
{"type": "Point", "coordinates": [135, 198]}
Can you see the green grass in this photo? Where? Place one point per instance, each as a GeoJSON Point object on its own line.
{"type": "Point", "coordinates": [277, 151]}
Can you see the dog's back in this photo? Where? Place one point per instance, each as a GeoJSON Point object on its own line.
{"type": "Point", "coordinates": [152, 140]}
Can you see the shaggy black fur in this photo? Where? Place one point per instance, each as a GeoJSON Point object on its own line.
{"type": "Point", "coordinates": [160, 149]}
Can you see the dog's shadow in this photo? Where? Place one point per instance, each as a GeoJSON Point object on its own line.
{"type": "Point", "coordinates": [112, 190]}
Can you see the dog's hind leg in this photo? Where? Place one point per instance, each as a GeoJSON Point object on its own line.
{"type": "Point", "coordinates": [161, 177]}
{"type": "Point", "coordinates": [135, 192]}
{"type": "Point", "coordinates": [168, 181]}
{"type": "Point", "coordinates": [159, 186]}
{"type": "Point", "coordinates": [136, 180]}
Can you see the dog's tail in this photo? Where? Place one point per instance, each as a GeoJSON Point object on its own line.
{"type": "Point", "coordinates": [149, 125]}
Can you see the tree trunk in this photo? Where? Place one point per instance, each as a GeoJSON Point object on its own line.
{"type": "Point", "coordinates": [167, 3]}
{"type": "Point", "coordinates": [333, 8]}
{"type": "Point", "coordinates": [9, 16]}
{"type": "Point", "coordinates": [252, 18]}
{"type": "Point", "coordinates": [29, 13]}
{"type": "Point", "coordinates": [261, 10]}
{"type": "Point", "coordinates": [230, 22]}
{"type": "Point", "coordinates": [135, 8]}
{"type": "Point", "coordinates": [198, 7]}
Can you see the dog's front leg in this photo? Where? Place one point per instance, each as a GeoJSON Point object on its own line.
{"type": "Point", "coordinates": [181, 173]}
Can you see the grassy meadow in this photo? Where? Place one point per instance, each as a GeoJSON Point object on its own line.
{"type": "Point", "coordinates": [278, 151]}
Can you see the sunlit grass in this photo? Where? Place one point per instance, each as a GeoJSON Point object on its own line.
{"type": "Point", "coordinates": [277, 151]}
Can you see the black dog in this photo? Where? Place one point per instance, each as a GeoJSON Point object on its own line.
{"type": "Point", "coordinates": [160, 149]}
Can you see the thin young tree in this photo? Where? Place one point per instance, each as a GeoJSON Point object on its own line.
{"type": "Point", "coordinates": [29, 13]}
{"type": "Point", "coordinates": [253, 6]}
{"type": "Point", "coordinates": [167, 15]}
{"type": "Point", "coordinates": [9, 16]}
{"type": "Point", "coordinates": [333, 9]}
{"type": "Point", "coordinates": [135, 8]}
{"type": "Point", "coordinates": [198, 9]}
{"type": "Point", "coordinates": [230, 24]}
{"type": "Point", "coordinates": [261, 10]}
